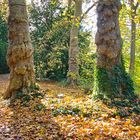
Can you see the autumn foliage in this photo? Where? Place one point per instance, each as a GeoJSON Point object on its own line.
{"type": "Point", "coordinates": [58, 113]}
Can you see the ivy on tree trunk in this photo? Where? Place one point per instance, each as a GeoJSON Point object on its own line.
{"type": "Point", "coordinates": [111, 79]}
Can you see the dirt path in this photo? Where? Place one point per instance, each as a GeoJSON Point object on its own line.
{"type": "Point", "coordinates": [3, 83]}
{"type": "Point", "coordinates": [57, 89]}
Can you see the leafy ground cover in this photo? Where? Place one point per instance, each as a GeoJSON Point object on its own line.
{"type": "Point", "coordinates": [59, 113]}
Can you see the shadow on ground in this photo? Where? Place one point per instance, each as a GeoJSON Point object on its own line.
{"type": "Point", "coordinates": [18, 122]}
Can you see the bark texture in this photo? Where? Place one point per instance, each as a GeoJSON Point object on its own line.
{"type": "Point", "coordinates": [108, 39]}
{"type": "Point", "coordinates": [73, 72]}
{"type": "Point", "coordinates": [20, 51]}
{"type": "Point", "coordinates": [110, 74]}
{"type": "Point", "coordinates": [133, 37]}
{"type": "Point", "coordinates": [69, 3]}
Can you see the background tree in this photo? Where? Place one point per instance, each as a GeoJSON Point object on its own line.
{"type": "Point", "coordinates": [111, 80]}
{"type": "Point", "coordinates": [50, 31]}
{"type": "Point", "coordinates": [134, 8]}
{"type": "Point", "coordinates": [73, 71]}
{"type": "Point", "coordinates": [125, 26]}
{"type": "Point", "coordinates": [50, 39]}
{"type": "Point", "coordinates": [20, 51]}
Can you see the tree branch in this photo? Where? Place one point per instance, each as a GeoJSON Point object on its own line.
{"type": "Point", "coordinates": [86, 12]}
{"type": "Point", "coordinates": [136, 6]}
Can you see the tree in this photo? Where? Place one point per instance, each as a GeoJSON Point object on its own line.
{"type": "Point", "coordinates": [50, 32]}
{"type": "Point", "coordinates": [125, 26]}
{"type": "Point", "coordinates": [20, 51]}
{"type": "Point", "coordinates": [69, 3]}
{"type": "Point", "coordinates": [73, 71]}
{"type": "Point", "coordinates": [50, 36]}
{"type": "Point", "coordinates": [133, 36]}
{"type": "Point", "coordinates": [111, 80]}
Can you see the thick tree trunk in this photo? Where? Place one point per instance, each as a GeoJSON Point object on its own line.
{"type": "Point", "coordinates": [20, 51]}
{"type": "Point", "coordinates": [108, 39]}
{"type": "Point", "coordinates": [73, 72]}
{"type": "Point", "coordinates": [110, 76]}
{"type": "Point", "coordinates": [133, 37]}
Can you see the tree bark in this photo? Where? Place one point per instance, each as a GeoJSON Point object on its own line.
{"type": "Point", "coordinates": [133, 37]}
{"type": "Point", "coordinates": [20, 51]}
{"type": "Point", "coordinates": [73, 72]}
{"type": "Point", "coordinates": [108, 39]}
{"type": "Point", "coordinates": [110, 76]}
{"type": "Point", "coordinates": [69, 3]}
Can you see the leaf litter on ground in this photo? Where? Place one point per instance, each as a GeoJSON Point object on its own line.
{"type": "Point", "coordinates": [65, 114]}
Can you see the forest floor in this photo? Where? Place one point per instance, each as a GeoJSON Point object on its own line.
{"type": "Point", "coordinates": [66, 114]}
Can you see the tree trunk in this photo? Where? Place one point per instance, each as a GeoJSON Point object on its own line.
{"type": "Point", "coordinates": [73, 72]}
{"type": "Point", "coordinates": [69, 3]}
{"type": "Point", "coordinates": [20, 51]}
{"type": "Point", "coordinates": [133, 37]}
{"type": "Point", "coordinates": [110, 76]}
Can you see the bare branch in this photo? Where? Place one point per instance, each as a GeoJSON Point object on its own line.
{"type": "Point", "coordinates": [94, 4]}
{"type": "Point", "coordinates": [136, 6]}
